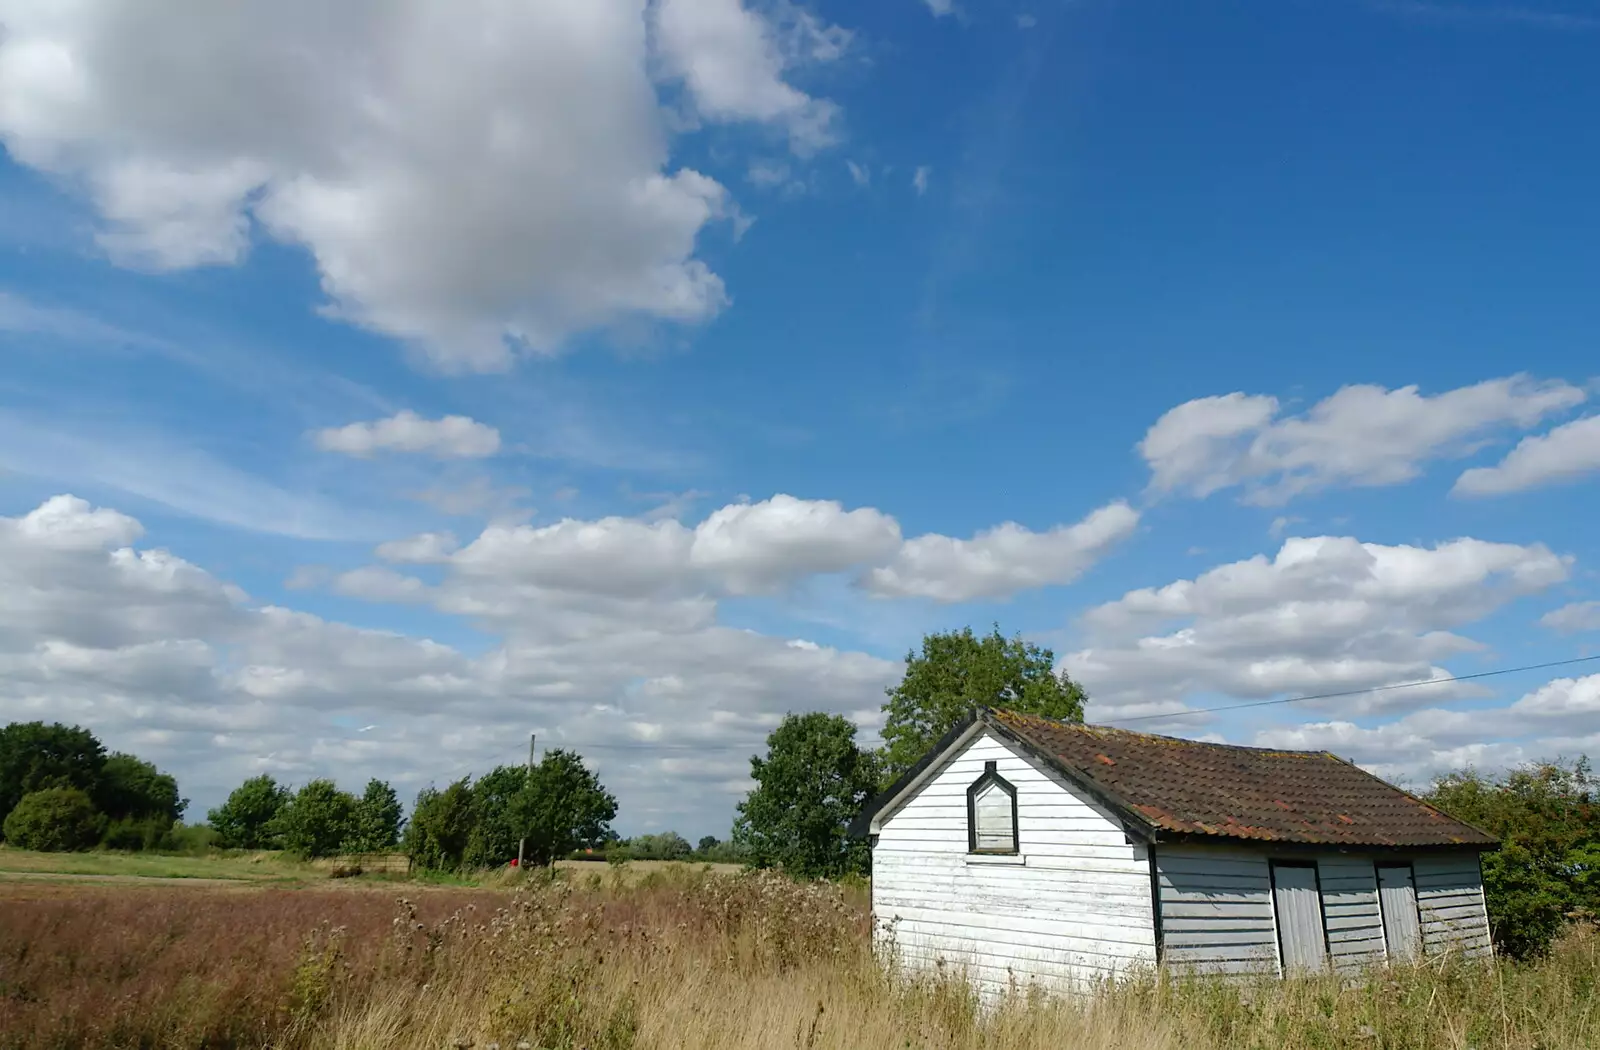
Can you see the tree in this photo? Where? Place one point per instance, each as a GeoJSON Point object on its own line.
{"type": "Point", "coordinates": [808, 789]}
{"type": "Point", "coordinates": [707, 844]}
{"type": "Point", "coordinates": [669, 845]}
{"type": "Point", "coordinates": [956, 671]}
{"type": "Point", "coordinates": [441, 826]}
{"type": "Point", "coordinates": [57, 819]}
{"type": "Point", "coordinates": [34, 756]}
{"type": "Point", "coordinates": [247, 819]}
{"type": "Point", "coordinates": [377, 820]}
{"type": "Point", "coordinates": [564, 808]}
{"type": "Point", "coordinates": [131, 788]}
{"type": "Point", "coordinates": [500, 806]}
{"type": "Point", "coordinates": [318, 820]}
{"type": "Point", "coordinates": [1547, 817]}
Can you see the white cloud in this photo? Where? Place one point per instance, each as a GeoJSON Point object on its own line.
{"type": "Point", "coordinates": [1563, 455]}
{"type": "Point", "coordinates": [1360, 436]}
{"type": "Point", "coordinates": [1554, 720]}
{"type": "Point", "coordinates": [452, 437]}
{"type": "Point", "coordinates": [1001, 560]}
{"type": "Point", "coordinates": [756, 547]}
{"type": "Point", "coordinates": [162, 658]}
{"type": "Point", "coordinates": [1572, 618]}
{"type": "Point", "coordinates": [486, 177]}
{"type": "Point", "coordinates": [919, 179]}
{"type": "Point", "coordinates": [860, 174]}
{"type": "Point", "coordinates": [732, 61]}
{"type": "Point", "coordinates": [941, 8]}
{"type": "Point", "coordinates": [422, 549]}
{"type": "Point", "coordinates": [1325, 614]}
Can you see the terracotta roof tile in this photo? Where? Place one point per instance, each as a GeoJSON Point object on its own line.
{"type": "Point", "coordinates": [1186, 787]}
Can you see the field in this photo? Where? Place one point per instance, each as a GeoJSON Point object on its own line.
{"type": "Point", "coordinates": [677, 957]}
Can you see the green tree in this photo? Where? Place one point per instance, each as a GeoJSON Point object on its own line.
{"type": "Point", "coordinates": [564, 808]}
{"type": "Point", "coordinates": [956, 671]}
{"type": "Point", "coordinates": [441, 827]}
{"type": "Point", "coordinates": [132, 787]}
{"type": "Point", "coordinates": [34, 755]}
{"type": "Point", "coordinates": [808, 789]}
{"type": "Point", "coordinates": [377, 820]}
{"type": "Point", "coordinates": [56, 819]}
{"type": "Point", "coordinates": [669, 845]}
{"type": "Point", "coordinates": [318, 821]}
{"type": "Point", "coordinates": [707, 844]}
{"type": "Point", "coordinates": [1547, 817]}
{"type": "Point", "coordinates": [500, 804]}
{"type": "Point", "coordinates": [247, 819]}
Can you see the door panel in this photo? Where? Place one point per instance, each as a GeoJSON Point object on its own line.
{"type": "Point", "coordinates": [1397, 898]}
{"type": "Point", "coordinates": [1297, 900]}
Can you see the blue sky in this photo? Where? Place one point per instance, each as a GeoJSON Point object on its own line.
{"type": "Point", "coordinates": [1234, 350]}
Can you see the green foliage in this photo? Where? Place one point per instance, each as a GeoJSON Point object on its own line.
{"type": "Point", "coordinates": [318, 820]}
{"type": "Point", "coordinates": [565, 808]}
{"type": "Point", "coordinates": [55, 820]}
{"type": "Point", "coordinates": [34, 756]}
{"type": "Point", "coordinates": [669, 845]}
{"type": "Point", "coordinates": [958, 670]}
{"type": "Point", "coordinates": [132, 789]}
{"type": "Point", "coordinates": [441, 827]}
{"type": "Point", "coordinates": [140, 833]}
{"type": "Point", "coordinates": [377, 820]}
{"type": "Point", "coordinates": [499, 803]}
{"type": "Point", "coordinates": [247, 819]}
{"type": "Point", "coordinates": [1547, 871]}
{"type": "Point", "coordinates": [808, 788]}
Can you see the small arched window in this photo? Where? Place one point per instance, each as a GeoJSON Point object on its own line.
{"type": "Point", "coordinates": [991, 813]}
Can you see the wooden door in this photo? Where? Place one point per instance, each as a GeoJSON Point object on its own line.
{"type": "Point", "coordinates": [1297, 901]}
{"type": "Point", "coordinates": [1397, 898]}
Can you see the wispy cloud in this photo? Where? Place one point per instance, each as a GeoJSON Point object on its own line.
{"type": "Point", "coordinates": [1470, 13]}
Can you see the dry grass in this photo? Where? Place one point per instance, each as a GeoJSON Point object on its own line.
{"type": "Point", "coordinates": [242, 866]}
{"type": "Point", "coordinates": [748, 961]}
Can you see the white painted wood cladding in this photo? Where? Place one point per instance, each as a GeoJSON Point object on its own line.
{"type": "Point", "coordinates": [1074, 904]}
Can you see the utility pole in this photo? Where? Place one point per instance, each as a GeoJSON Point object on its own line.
{"type": "Point", "coordinates": [522, 843]}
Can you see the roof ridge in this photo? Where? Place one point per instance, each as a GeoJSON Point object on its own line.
{"type": "Point", "coordinates": [1091, 727]}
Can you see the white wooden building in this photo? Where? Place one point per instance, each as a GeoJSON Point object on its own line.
{"type": "Point", "coordinates": [1023, 850]}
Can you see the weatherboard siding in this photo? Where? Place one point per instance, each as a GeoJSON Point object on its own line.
{"type": "Point", "coordinates": [1072, 906]}
{"type": "Point", "coordinates": [1216, 909]}
{"type": "Point", "coordinates": [1451, 906]}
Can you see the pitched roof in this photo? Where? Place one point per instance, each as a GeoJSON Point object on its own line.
{"type": "Point", "coordinates": [1172, 789]}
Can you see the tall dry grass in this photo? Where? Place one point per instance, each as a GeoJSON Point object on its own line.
{"type": "Point", "coordinates": [750, 961]}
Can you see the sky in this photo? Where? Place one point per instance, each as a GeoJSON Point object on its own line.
{"type": "Point", "coordinates": [384, 383]}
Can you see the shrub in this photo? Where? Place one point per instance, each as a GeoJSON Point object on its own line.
{"type": "Point", "coordinates": [139, 833]}
{"type": "Point", "coordinates": [55, 820]}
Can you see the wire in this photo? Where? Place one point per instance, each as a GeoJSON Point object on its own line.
{"type": "Point", "coordinates": [1187, 712]}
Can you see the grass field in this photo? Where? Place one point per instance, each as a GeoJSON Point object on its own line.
{"type": "Point", "coordinates": [271, 867]}
{"type": "Point", "coordinates": [666, 958]}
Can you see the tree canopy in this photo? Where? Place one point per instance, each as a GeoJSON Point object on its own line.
{"type": "Point", "coordinates": [55, 819]}
{"type": "Point", "coordinates": [34, 756]}
{"type": "Point", "coordinates": [247, 819]}
{"type": "Point", "coordinates": [809, 787]}
{"type": "Point", "coordinates": [957, 670]}
{"type": "Point", "coordinates": [1547, 817]}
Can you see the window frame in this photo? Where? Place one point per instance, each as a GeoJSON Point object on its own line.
{"type": "Point", "coordinates": [991, 776]}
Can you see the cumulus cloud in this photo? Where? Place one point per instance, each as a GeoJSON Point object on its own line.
{"type": "Point", "coordinates": [486, 177]}
{"type": "Point", "coordinates": [1572, 618]}
{"type": "Point", "coordinates": [162, 658]}
{"type": "Point", "coordinates": [1359, 436]}
{"type": "Point", "coordinates": [1565, 454]}
{"type": "Point", "coordinates": [756, 547]}
{"type": "Point", "coordinates": [732, 61]}
{"type": "Point", "coordinates": [452, 437]}
{"type": "Point", "coordinates": [1002, 560]}
{"type": "Point", "coordinates": [1556, 719]}
{"type": "Point", "coordinates": [420, 549]}
{"type": "Point", "coordinates": [1324, 614]}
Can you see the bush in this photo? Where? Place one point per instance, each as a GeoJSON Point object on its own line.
{"type": "Point", "coordinates": [55, 820]}
{"type": "Point", "coordinates": [139, 833]}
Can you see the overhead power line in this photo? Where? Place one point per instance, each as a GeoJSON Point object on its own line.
{"type": "Point", "coordinates": [1191, 711]}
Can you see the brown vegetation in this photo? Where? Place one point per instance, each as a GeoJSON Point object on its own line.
{"type": "Point", "coordinates": [689, 961]}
